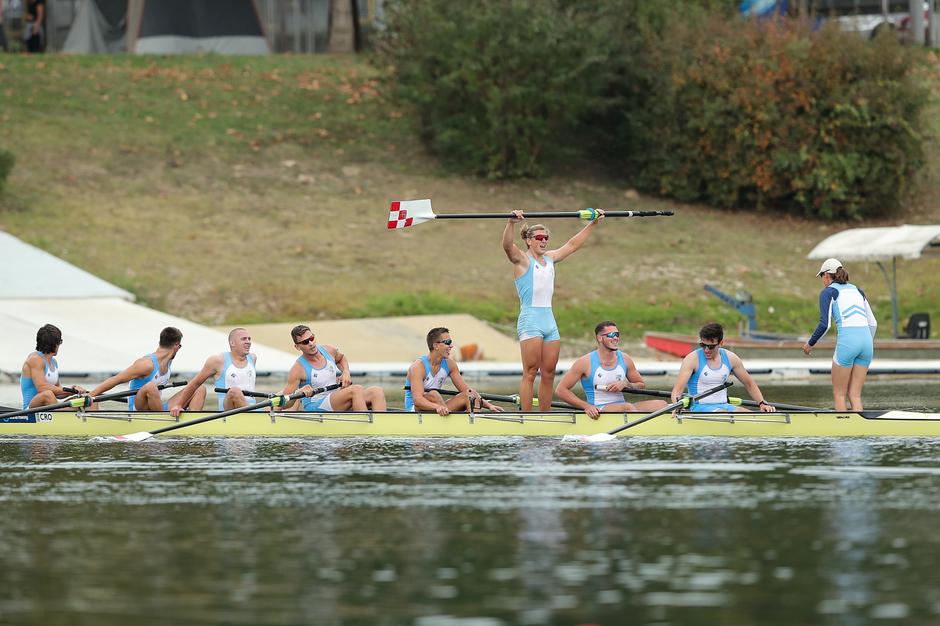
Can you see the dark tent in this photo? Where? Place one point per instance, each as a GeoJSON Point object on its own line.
{"type": "Point", "coordinates": [167, 27]}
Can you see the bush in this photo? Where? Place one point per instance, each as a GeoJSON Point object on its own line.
{"type": "Point", "coordinates": [6, 166]}
{"type": "Point", "coordinates": [737, 113]}
{"type": "Point", "coordinates": [497, 84]}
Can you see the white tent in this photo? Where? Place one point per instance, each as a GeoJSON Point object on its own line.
{"type": "Point", "coordinates": [103, 330]}
{"type": "Point", "coordinates": [880, 245]}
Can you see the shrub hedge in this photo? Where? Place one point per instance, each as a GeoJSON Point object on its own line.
{"type": "Point", "coordinates": [747, 114]}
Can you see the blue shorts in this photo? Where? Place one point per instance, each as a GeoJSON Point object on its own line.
{"type": "Point", "coordinates": [315, 405]}
{"type": "Point", "coordinates": [854, 347]}
{"type": "Point", "coordinates": [537, 322]}
{"type": "Point", "coordinates": [712, 407]}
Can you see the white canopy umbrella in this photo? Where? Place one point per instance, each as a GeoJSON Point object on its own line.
{"type": "Point", "coordinates": [879, 245]}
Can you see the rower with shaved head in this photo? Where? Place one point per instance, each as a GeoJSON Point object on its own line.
{"type": "Point", "coordinates": [146, 374]}
{"type": "Point", "coordinates": [233, 370]}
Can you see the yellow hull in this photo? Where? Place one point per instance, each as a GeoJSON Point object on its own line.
{"type": "Point", "coordinates": [261, 424]}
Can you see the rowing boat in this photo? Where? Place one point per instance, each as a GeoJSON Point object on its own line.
{"type": "Point", "coordinates": [553, 424]}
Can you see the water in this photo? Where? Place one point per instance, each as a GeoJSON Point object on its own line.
{"type": "Point", "coordinates": [475, 532]}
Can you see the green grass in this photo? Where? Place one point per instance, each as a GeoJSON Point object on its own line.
{"type": "Point", "coordinates": [236, 190]}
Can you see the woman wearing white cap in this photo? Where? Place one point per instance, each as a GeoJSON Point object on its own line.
{"type": "Point", "coordinates": [846, 304]}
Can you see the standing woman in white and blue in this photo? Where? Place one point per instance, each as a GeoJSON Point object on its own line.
{"type": "Point", "coordinates": [845, 303]}
{"type": "Point", "coordinates": [534, 272]}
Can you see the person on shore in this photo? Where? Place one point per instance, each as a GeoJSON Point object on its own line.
{"type": "Point", "coordinates": [39, 377]}
{"type": "Point", "coordinates": [856, 326]}
{"type": "Point", "coordinates": [604, 375]}
{"type": "Point", "coordinates": [534, 273]}
{"type": "Point", "coordinates": [710, 366]}
{"type": "Point", "coordinates": [34, 22]}
{"type": "Point", "coordinates": [147, 373]}
{"type": "Point", "coordinates": [233, 370]}
{"type": "Point", "coordinates": [3, 32]}
{"type": "Point", "coordinates": [321, 366]}
{"type": "Point", "coordinates": [427, 374]}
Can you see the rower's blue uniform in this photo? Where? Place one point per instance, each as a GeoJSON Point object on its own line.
{"type": "Point", "coordinates": [535, 289]}
{"type": "Point", "coordinates": [28, 387]}
{"type": "Point", "coordinates": [855, 323]}
{"type": "Point", "coordinates": [705, 378]}
{"type": "Point", "coordinates": [161, 378]}
{"type": "Point", "coordinates": [319, 377]}
{"type": "Point", "coordinates": [600, 376]}
{"type": "Point", "coordinates": [234, 376]}
{"type": "Point", "coordinates": [430, 381]}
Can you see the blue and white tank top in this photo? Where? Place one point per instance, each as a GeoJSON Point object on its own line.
{"type": "Point", "coordinates": [599, 376]}
{"type": "Point", "coordinates": [536, 286]}
{"type": "Point", "coordinates": [155, 375]}
{"type": "Point", "coordinates": [706, 378]}
{"type": "Point", "coordinates": [431, 381]}
{"type": "Point", "coordinates": [28, 387]}
{"type": "Point", "coordinates": [320, 377]}
{"type": "Point", "coordinates": [234, 376]}
{"type": "Point", "coordinates": [847, 305]}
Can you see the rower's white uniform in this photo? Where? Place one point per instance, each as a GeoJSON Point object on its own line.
{"type": "Point", "coordinates": [704, 378]}
{"type": "Point", "coordinates": [431, 382]}
{"type": "Point", "coordinates": [601, 377]}
{"type": "Point", "coordinates": [535, 289]}
{"type": "Point", "coordinates": [322, 377]}
{"type": "Point", "coordinates": [234, 376]}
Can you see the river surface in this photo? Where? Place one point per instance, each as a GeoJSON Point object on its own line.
{"type": "Point", "coordinates": [479, 532]}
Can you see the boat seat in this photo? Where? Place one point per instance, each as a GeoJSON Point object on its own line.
{"type": "Point", "coordinates": [918, 326]}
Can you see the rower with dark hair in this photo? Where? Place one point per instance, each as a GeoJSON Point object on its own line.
{"type": "Point", "coordinates": [147, 373]}
{"type": "Point", "coordinates": [604, 375]}
{"type": "Point", "coordinates": [710, 366]}
{"type": "Point", "coordinates": [427, 374]}
{"type": "Point", "coordinates": [39, 377]}
{"type": "Point", "coordinates": [320, 365]}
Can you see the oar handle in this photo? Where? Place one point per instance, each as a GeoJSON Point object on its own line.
{"type": "Point", "coordinates": [250, 394]}
{"type": "Point", "coordinates": [668, 394]}
{"type": "Point", "coordinates": [583, 214]}
{"type": "Point", "coordinates": [671, 407]}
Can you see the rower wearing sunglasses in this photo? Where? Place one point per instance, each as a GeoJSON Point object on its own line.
{"type": "Point", "coordinates": [604, 375]}
{"type": "Point", "coordinates": [322, 366]}
{"type": "Point", "coordinates": [534, 273]}
{"type": "Point", "coordinates": [426, 376]}
{"type": "Point", "coordinates": [709, 367]}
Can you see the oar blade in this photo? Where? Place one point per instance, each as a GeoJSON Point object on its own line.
{"type": "Point", "coordinates": [131, 437]}
{"type": "Point", "coordinates": [405, 213]}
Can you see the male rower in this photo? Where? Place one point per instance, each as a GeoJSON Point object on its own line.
{"type": "Point", "coordinates": [321, 366]}
{"type": "Point", "coordinates": [147, 373]}
{"type": "Point", "coordinates": [604, 375]}
{"type": "Point", "coordinates": [39, 377]}
{"type": "Point", "coordinates": [709, 367]}
{"type": "Point", "coordinates": [427, 374]}
{"type": "Point", "coordinates": [233, 370]}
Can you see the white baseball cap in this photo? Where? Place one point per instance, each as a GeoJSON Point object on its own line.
{"type": "Point", "coordinates": [829, 266]}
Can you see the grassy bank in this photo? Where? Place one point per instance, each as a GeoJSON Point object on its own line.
{"type": "Point", "coordinates": [248, 190]}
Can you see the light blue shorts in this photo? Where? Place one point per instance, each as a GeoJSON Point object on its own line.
{"type": "Point", "coordinates": [854, 347]}
{"type": "Point", "coordinates": [712, 407]}
{"type": "Point", "coordinates": [317, 405]}
{"type": "Point", "coordinates": [537, 322]}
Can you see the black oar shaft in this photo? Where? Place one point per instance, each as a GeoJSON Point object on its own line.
{"type": "Point", "coordinates": [508, 399]}
{"type": "Point", "coordinates": [87, 401]}
{"type": "Point", "coordinates": [777, 405]}
{"type": "Point", "coordinates": [548, 214]}
{"type": "Point", "coordinates": [248, 394]}
{"type": "Point", "coordinates": [670, 407]}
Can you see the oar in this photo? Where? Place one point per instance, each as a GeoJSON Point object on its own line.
{"type": "Point", "coordinates": [250, 394]}
{"type": "Point", "coordinates": [514, 399]}
{"type": "Point", "coordinates": [611, 435]}
{"type": "Point", "coordinates": [275, 401]}
{"type": "Point", "coordinates": [731, 400]}
{"type": "Point", "coordinates": [405, 213]}
{"type": "Point", "coordinates": [81, 401]}
{"type": "Point", "coordinates": [178, 383]}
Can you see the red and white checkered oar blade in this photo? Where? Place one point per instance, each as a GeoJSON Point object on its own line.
{"type": "Point", "coordinates": [405, 213]}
